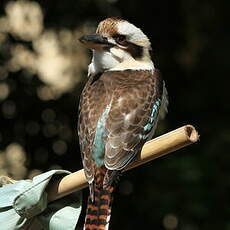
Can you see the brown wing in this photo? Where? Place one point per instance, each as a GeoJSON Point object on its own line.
{"type": "Point", "coordinates": [133, 115]}
{"type": "Point", "coordinates": [92, 104]}
{"type": "Point", "coordinates": [131, 96]}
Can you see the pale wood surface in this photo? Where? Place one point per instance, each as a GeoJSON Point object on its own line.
{"type": "Point", "coordinates": [153, 149]}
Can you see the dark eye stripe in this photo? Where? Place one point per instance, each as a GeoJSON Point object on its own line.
{"type": "Point", "coordinates": [135, 50]}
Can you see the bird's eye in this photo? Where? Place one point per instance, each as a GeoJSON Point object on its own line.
{"type": "Point", "coordinates": [120, 39]}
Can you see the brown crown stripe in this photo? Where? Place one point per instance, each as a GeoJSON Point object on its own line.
{"type": "Point", "coordinates": [108, 25]}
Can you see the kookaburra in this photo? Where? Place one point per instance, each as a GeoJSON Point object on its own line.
{"type": "Point", "coordinates": [119, 109]}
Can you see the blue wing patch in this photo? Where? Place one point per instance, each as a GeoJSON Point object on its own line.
{"type": "Point", "coordinates": [152, 121]}
{"type": "Point", "coordinates": [100, 134]}
{"type": "Point", "coordinates": [99, 142]}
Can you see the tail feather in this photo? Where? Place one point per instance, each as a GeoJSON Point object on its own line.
{"type": "Point", "coordinates": [99, 209]}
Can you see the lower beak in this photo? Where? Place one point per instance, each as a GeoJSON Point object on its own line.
{"type": "Point", "coordinates": [95, 41]}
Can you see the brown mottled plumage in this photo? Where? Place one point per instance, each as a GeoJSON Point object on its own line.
{"type": "Point", "coordinates": [131, 96]}
{"type": "Point", "coordinates": [118, 111]}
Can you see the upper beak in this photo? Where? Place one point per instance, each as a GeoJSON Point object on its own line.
{"type": "Point", "coordinates": [95, 41]}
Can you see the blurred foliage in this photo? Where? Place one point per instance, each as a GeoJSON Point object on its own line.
{"type": "Point", "coordinates": [42, 72]}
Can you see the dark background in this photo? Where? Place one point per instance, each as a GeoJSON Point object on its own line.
{"type": "Point", "coordinates": [187, 190]}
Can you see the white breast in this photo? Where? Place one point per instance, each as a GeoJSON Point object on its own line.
{"type": "Point", "coordinates": [102, 61]}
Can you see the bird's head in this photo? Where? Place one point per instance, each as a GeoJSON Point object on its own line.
{"type": "Point", "coordinates": [118, 42]}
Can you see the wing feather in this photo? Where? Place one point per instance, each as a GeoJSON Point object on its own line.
{"type": "Point", "coordinates": [131, 112]}
{"type": "Point", "coordinates": [135, 99]}
{"type": "Point", "coordinates": [91, 106]}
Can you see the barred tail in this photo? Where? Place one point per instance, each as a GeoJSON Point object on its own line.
{"type": "Point", "coordinates": [99, 210]}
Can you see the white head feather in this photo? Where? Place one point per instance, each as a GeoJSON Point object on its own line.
{"type": "Point", "coordinates": [118, 57]}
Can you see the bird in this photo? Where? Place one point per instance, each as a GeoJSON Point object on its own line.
{"type": "Point", "coordinates": [119, 108]}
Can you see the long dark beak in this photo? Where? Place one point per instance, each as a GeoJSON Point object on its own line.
{"type": "Point", "coordinates": [95, 41]}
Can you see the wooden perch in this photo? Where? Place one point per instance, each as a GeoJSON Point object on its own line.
{"type": "Point", "coordinates": [153, 149]}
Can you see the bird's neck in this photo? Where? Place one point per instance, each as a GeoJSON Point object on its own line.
{"type": "Point", "coordinates": [107, 61]}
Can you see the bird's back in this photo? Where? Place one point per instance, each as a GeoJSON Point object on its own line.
{"type": "Point", "coordinates": [116, 117]}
